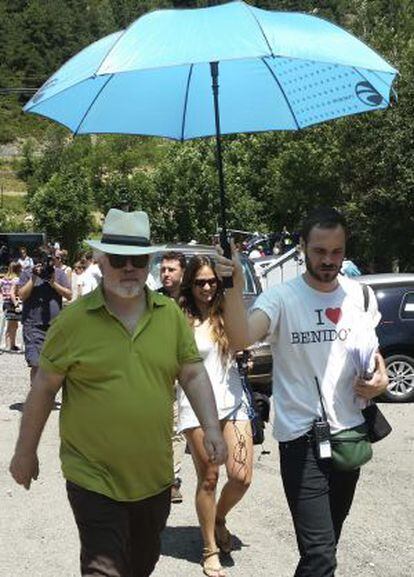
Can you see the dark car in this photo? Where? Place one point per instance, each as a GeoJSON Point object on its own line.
{"type": "Point", "coordinates": [260, 374]}
{"type": "Point", "coordinates": [395, 295]}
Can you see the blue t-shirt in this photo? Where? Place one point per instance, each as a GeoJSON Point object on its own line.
{"type": "Point", "coordinates": [44, 302]}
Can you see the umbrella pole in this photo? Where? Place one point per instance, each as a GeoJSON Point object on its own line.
{"type": "Point", "coordinates": [227, 282]}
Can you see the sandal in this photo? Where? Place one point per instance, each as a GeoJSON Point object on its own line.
{"type": "Point", "coordinates": [223, 536]}
{"type": "Point", "coordinates": [211, 569]}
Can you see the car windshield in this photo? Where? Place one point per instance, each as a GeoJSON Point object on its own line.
{"type": "Point", "coordinates": [154, 275]}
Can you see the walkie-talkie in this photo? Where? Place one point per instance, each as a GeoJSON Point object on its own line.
{"type": "Point", "coordinates": [322, 435]}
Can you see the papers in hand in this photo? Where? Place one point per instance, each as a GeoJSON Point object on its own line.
{"type": "Point", "coordinates": [362, 344]}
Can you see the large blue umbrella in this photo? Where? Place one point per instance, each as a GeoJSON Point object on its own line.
{"type": "Point", "coordinates": [162, 76]}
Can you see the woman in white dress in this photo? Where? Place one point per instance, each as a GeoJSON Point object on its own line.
{"type": "Point", "coordinates": [202, 301]}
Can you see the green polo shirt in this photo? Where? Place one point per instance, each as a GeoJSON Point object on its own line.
{"type": "Point", "coordinates": [116, 415]}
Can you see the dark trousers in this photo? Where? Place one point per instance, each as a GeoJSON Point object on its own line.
{"type": "Point", "coordinates": [319, 499]}
{"type": "Point", "coordinates": [118, 539]}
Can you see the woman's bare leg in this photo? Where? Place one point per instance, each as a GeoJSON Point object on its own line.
{"type": "Point", "coordinates": [205, 500]}
{"type": "Point", "coordinates": [239, 440]}
{"type": "Point", "coordinates": [207, 477]}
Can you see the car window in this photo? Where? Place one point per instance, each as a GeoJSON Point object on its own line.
{"type": "Point", "coordinates": [407, 306]}
{"type": "Point", "coordinates": [249, 286]}
{"type": "Point", "coordinates": [154, 273]}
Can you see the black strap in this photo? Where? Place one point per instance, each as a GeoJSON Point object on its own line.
{"type": "Point", "coordinates": [325, 418]}
{"type": "Point", "coordinates": [365, 292]}
{"type": "Point", "coordinates": [125, 240]}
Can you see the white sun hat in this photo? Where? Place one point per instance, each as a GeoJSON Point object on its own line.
{"type": "Point", "coordinates": [126, 233]}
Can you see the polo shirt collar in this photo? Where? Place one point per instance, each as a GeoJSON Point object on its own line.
{"type": "Point", "coordinates": [96, 299]}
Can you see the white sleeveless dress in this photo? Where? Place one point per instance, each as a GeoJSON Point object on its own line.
{"type": "Point", "coordinates": [225, 379]}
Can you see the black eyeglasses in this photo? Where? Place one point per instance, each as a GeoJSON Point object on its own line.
{"type": "Point", "coordinates": [120, 260]}
{"type": "Point", "coordinates": [201, 282]}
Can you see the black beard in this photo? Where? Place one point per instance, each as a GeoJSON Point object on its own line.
{"type": "Point", "coordinates": [320, 277]}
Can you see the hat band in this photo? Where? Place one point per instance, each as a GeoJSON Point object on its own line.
{"type": "Point", "coordinates": [125, 240]}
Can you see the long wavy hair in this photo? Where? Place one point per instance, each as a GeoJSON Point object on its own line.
{"type": "Point", "coordinates": [215, 313]}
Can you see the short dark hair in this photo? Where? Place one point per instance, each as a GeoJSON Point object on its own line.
{"type": "Point", "coordinates": [175, 255]}
{"type": "Point", "coordinates": [322, 217]}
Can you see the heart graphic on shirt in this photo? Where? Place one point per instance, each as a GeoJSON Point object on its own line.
{"type": "Point", "coordinates": [333, 315]}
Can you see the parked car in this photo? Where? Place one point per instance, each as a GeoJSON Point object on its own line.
{"type": "Point", "coordinates": [395, 295]}
{"type": "Point", "coordinates": [260, 374]}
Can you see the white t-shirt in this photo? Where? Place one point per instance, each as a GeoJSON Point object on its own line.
{"type": "Point", "coordinates": [26, 263]}
{"type": "Point", "coordinates": [91, 278]}
{"type": "Point", "coordinates": [225, 380]}
{"type": "Point", "coordinates": [308, 334]}
{"type": "Point", "coordinates": [77, 285]}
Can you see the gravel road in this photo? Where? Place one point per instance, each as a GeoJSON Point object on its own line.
{"type": "Point", "coordinates": [39, 537]}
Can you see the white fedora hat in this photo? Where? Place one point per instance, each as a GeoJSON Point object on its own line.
{"type": "Point", "coordinates": [126, 233]}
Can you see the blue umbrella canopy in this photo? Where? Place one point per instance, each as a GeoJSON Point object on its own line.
{"type": "Point", "coordinates": [276, 71]}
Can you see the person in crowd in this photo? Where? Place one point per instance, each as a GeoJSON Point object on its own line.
{"type": "Point", "coordinates": [285, 239]}
{"type": "Point", "coordinates": [171, 274]}
{"type": "Point", "coordinates": [25, 261]}
{"type": "Point", "coordinates": [277, 248]}
{"type": "Point", "coordinates": [60, 257]}
{"type": "Point", "coordinates": [78, 276]}
{"type": "Point", "coordinates": [61, 261]}
{"type": "Point", "coordinates": [9, 294]}
{"type": "Point", "coordinates": [93, 275]}
{"type": "Point", "coordinates": [350, 269]}
{"type": "Point", "coordinates": [202, 301]}
{"type": "Point", "coordinates": [4, 255]}
{"type": "Point", "coordinates": [119, 364]}
{"type": "Point", "coordinates": [307, 322]}
{"type": "Point", "coordinates": [41, 290]}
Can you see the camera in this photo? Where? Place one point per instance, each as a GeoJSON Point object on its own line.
{"type": "Point", "coordinates": [44, 267]}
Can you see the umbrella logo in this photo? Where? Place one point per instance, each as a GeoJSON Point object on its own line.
{"type": "Point", "coordinates": [368, 94]}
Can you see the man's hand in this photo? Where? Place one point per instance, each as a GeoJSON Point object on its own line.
{"type": "Point", "coordinates": [368, 389]}
{"type": "Point", "coordinates": [24, 468]}
{"type": "Point", "coordinates": [215, 446]}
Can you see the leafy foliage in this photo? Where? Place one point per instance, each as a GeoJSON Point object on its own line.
{"type": "Point", "coordinates": [61, 208]}
{"type": "Point", "coordinates": [363, 165]}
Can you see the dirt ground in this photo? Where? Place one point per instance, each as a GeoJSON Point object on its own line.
{"type": "Point", "coordinates": [39, 537]}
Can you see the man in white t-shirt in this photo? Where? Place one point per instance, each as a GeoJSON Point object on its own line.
{"type": "Point", "coordinates": [92, 275]}
{"type": "Point", "coordinates": [307, 322]}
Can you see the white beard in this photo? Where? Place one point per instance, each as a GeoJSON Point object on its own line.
{"type": "Point", "coordinates": [125, 291]}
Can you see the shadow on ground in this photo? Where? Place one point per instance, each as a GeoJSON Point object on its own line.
{"type": "Point", "coordinates": [20, 406]}
{"type": "Point", "coordinates": [16, 407]}
{"type": "Point", "coordinates": [185, 543]}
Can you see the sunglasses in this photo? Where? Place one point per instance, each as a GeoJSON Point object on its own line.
{"type": "Point", "coordinates": [201, 282]}
{"type": "Point", "coordinates": [120, 260]}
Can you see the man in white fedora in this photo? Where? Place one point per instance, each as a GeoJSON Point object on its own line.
{"type": "Point", "coordinates": [118, 351]}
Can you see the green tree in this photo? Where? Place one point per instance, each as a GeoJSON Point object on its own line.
{"type": "Point", "coordinates": [62, 208]}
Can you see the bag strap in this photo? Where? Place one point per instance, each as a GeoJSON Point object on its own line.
{"type": "Point", "coordinates": [324, 415]}
{"type": "Point", "coordinates": [365, 292]}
